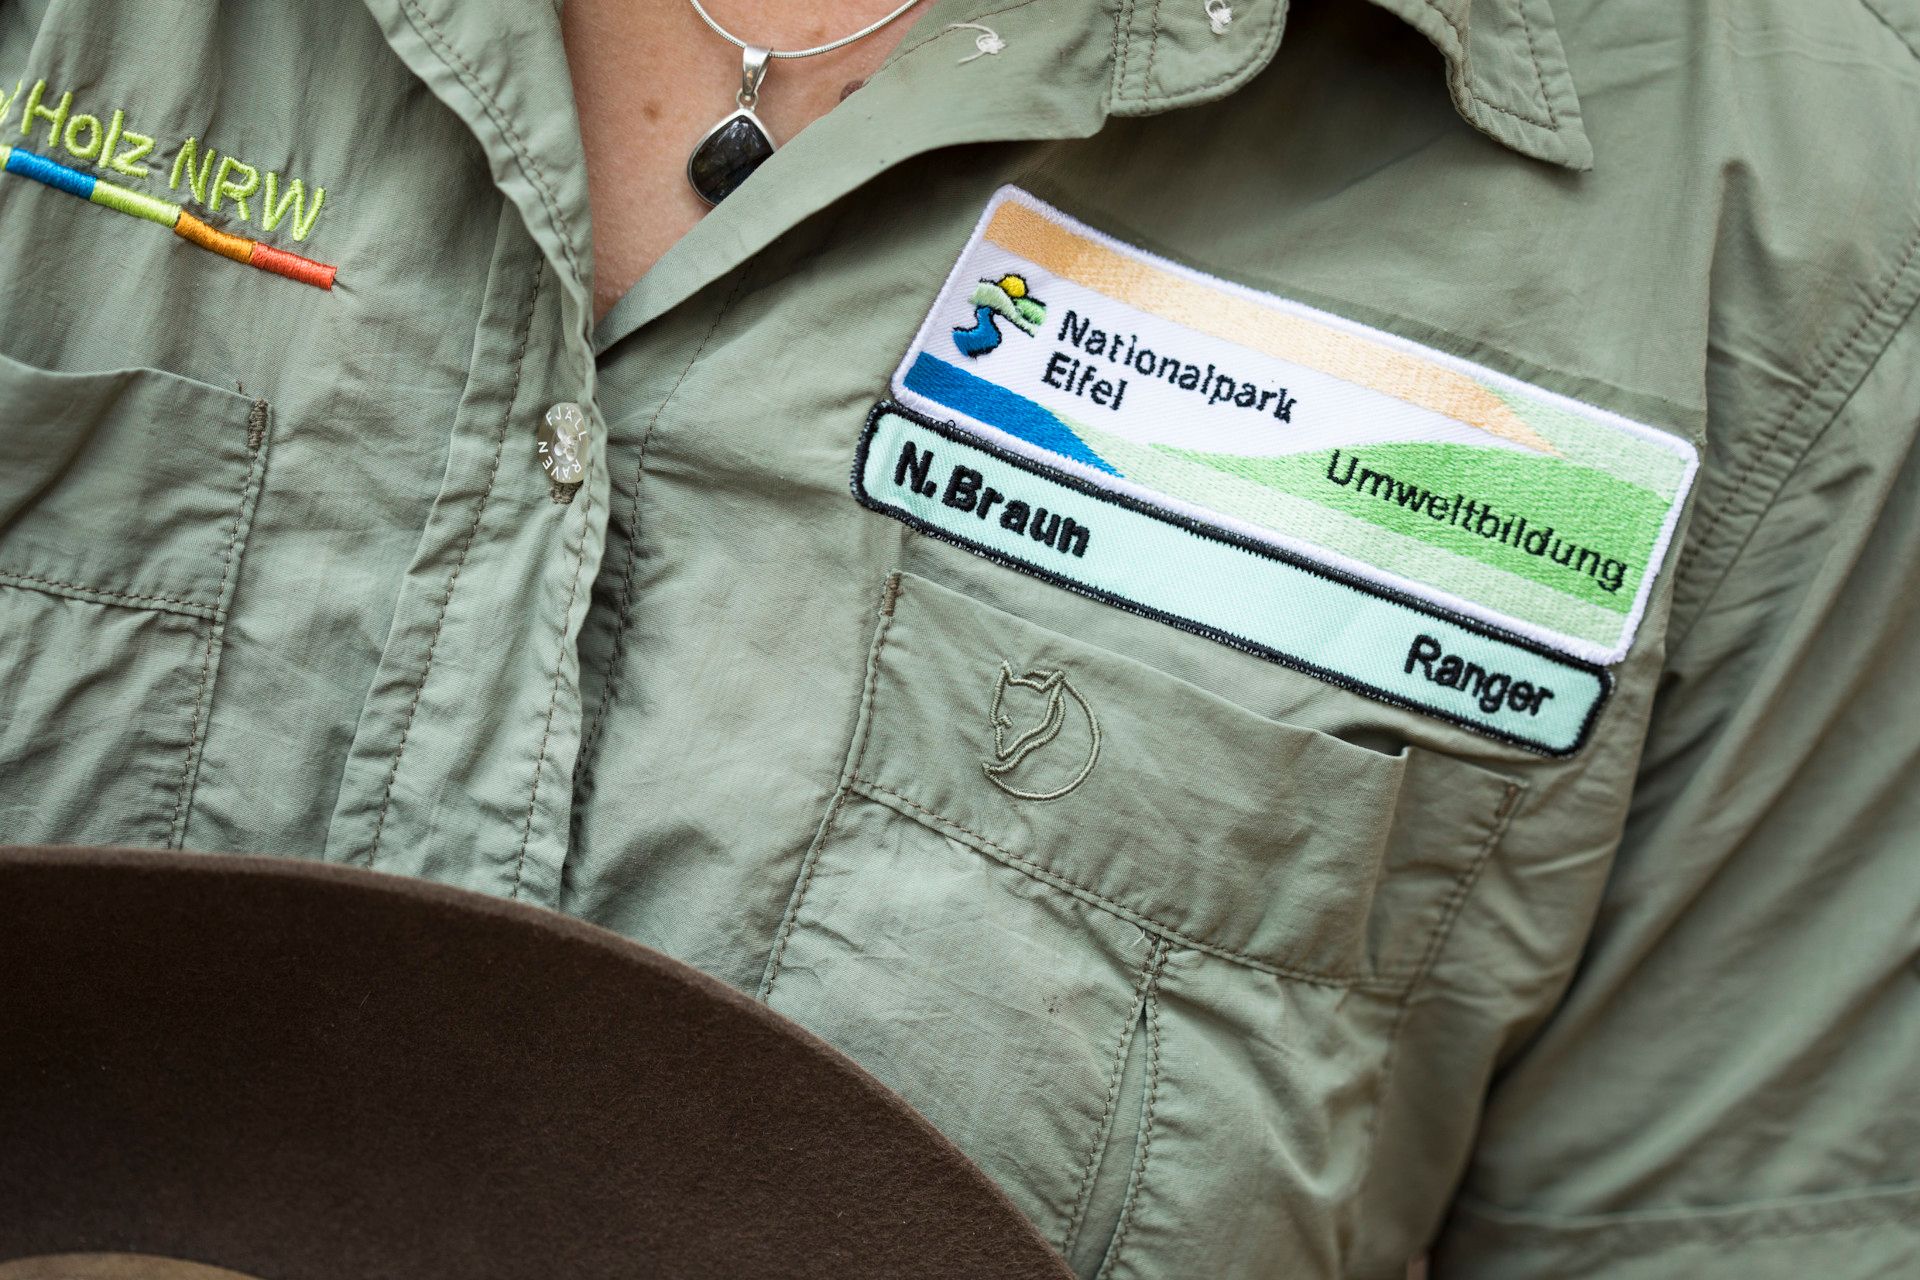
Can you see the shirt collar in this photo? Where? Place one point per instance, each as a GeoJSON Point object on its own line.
{"type": "Point", "coordinates": [503, 70]}
{"type": "Point", "coordinates": [1070, 63]}
{"type": "Point", "coordinates": [1507, 72]}
{"type": "Point", "coordinates": [1504, 63]}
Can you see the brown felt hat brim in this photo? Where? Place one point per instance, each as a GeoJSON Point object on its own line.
{"type": "Point", "coordinates": [307, 1072]}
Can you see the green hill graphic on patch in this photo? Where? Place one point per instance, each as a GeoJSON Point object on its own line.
{"type": "Point", "coordinates": [1571, 528]}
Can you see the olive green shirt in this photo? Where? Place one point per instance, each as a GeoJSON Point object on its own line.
{"type": "Point", "coordinates": [1294, 981]}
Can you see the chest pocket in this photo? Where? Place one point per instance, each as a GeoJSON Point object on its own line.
{"type": "Point", "coordinates": [1138, 950]}
{"type": "Point", "coordinates": [125, 499]}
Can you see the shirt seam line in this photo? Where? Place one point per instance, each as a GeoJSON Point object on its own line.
{"type": "Point", "coordinates": [463, 70]}
{"type": "Point", "coordinates": [1783, 445]}
{"type": "Point", "coordinates": [616, 661]}
{"type": "Point", "coordinates": [1147, 81]}
{"type": "Point", "coordinates": [1389, 982]}
{"type": "Point", "coordinates": [453, 580]}
{"type": "Point", "coordinates": [216, 634]}
{"type": "Point", "coordinates": [1122, 51]}
{"type": "Point", "coordinates": [1130, 1209]}
{"type": "Point", "coordinates": [1102, 1138]}
{"type": "Point", "coordinates": [553, 696]}
{"type": "Point", "coordinates": [123, 599]}
{"type": "Point", "coordinates": [1150, 99]}
{"type": "Point", "coordinates": [1471, 84]}
{"type": "Point", "coordinates": [1443, 932]}
{"type": "Point", "coordinates": [1895, 1204]}
{"type": "Point", "coordinates": [1873, 7]}
{"type": "Point", "coordinates": [1539, 76]}
{"type": "Point", "coordinates": [857, 752]}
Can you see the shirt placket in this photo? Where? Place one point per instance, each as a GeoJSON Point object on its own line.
{"type": "Point", "coordinates": [462, 763]}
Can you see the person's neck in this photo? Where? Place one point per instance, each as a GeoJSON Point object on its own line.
{"type": "Point", "coordinates": [650, 78]}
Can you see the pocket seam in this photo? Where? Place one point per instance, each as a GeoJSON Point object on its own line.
{"type": "Point", "coordinates": [889, 597]}
{"type": "Point", "coordinates": [1138, 1180]}
{"type": "Point", "coordinates": [216, 635]}
{"type": "Point", "coordinates": [1456, 903]}
{"type": "Point", "coordinates": [1102, 1130]}
{"type": "Point", "coordinates": [1388, 981]}
{"type": "Point", "coordinates": [20, 572]}
{"type": "Point", "coordinates": [102, 595]}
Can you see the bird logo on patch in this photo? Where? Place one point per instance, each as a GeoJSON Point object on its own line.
{"type": "Point", "coordinates": [1006, 298]}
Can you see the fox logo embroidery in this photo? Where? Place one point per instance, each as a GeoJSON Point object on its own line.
{"type": "Point", "coordinates": [1011, 749]}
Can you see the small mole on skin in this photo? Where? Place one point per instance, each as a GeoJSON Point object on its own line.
{"type": "Point", "coordinates": [651, 110]}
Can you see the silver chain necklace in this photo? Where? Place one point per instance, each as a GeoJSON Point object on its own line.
{"type": "Point", "coordinates": [730, 151]}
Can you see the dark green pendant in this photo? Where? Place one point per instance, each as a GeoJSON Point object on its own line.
{"type": "Point", "coordinates": [729, 153]}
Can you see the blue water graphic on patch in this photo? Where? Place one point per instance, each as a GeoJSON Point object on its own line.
{"type": "Point", "coordinates": [998, 407]}
{"type": "Point", "coordinates": [983, 337]}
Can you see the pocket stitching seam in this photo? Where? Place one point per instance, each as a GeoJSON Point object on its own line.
{"type": "Point", "coordinates": [616, 660]}
{"type": "Point", "coordinates": [192, 608]}
{"type": "Point", "coordinates": [1456, 903]}
{"type": "Point", "coordinates": [216, 629]}
{"type": "Point", "coordinates": [1102, 1132]}
{"type": "Point", "coordinates": [1139, 1179]}
{"type": "Point", "coordinates": [890, 598]}
{"type": "Point", "coordinates": [1389, 981]}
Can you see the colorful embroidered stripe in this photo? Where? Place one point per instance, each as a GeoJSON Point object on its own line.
{"type": "Point", "coordinates": [122, 200]}
{"type": "Point", "coordinates": [945, 481]}
{"type": "Point", "coordinates": [1205, 308]}
{"type": "Point", "coordinates": [1324, 438]}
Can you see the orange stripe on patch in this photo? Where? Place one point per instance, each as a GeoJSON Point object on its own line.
{"type": "Point", "coordinates": [239, 248]}
{"type": "Point", "coordinates": [293, 266]}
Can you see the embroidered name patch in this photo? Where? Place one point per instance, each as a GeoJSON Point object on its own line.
{"type": "Point", "coordinates": [948, 481]}
{"type": "Point", "coordinates": [1274, 424]}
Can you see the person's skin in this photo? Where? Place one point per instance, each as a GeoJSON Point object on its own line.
{"type": "Point", "coordinates": [650, 79]}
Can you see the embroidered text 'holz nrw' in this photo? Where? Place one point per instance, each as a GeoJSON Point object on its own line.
{"type": "Point", "coordinates": [1343, 446]}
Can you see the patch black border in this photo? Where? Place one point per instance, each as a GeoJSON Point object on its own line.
{"type": "Point", "coordinates": [954, 432]}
